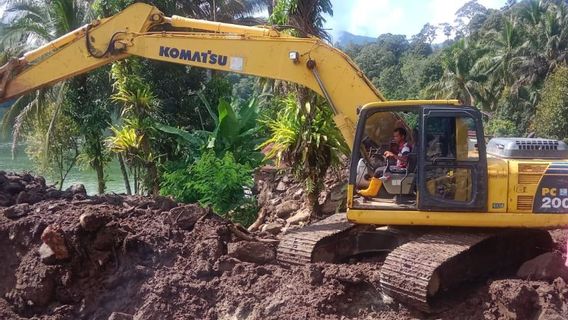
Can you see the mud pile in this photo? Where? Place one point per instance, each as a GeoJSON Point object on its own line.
{"type": "Point", "coordinates": [24, 188]}
{"type": "Point", "coordinates": [118, 257]}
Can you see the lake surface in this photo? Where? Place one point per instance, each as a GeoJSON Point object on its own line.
{"type": "Point", "coordinates": [86, 177]}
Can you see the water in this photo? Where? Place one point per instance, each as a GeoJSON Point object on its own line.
{"type": "Point", "coordinates": [87, 177]}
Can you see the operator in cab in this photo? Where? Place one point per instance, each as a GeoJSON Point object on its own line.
{"type": "Point", "coordinates": [399, 153]}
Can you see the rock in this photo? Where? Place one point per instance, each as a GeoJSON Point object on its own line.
{"type": "Point", "coordinates": [14, 187]}
{"type": "Point", "coordinates": [53, 237]}
{"type": "Point", "coordinates": [548, 266]}
{"type": "Point", "coordinates": [273, 227]}
{"type": "Point", "coordinates": [93, 221]}
{"type": "Point", "coordinates": [77, 188]}
{"type": "Point", "coordinates": [252, 251]}
{"type": "Point", "coordinates": [120, 316]}
{"type": "Point", "coordinates": [186, 216]}
{"type": "Point", "coordinates": [17, 211]}
{"type": "Point", "coordinates": [298, 194]}
{"type": "Point", "coordinates": [281, 187]}
{"type": "Point", "coordinates": [286, 179]}
{"type": "Point", "coordinates": [550, 314]}
{"type": "Point", "coordinates": [46, 255]}
{"type": "Point", "coordinates": [300, 216]}
{"type": "Point", "coordinates": [285, 209]}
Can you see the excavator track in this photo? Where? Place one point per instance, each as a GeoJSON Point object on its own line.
{"type": "Point", "coordinates": [423, 264]}
{"type": "Point", "coordinates": [301, 246]}
{"type": "Point", "coordinates": [422, 270]}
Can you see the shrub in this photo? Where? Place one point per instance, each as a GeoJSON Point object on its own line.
{"type": "Point", "coordinates": [215, 182]}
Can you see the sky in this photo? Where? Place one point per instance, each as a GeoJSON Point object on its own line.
{"type": "Point", "coordinates": [374, 17]}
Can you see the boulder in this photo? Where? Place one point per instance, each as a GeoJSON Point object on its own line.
{"type": "Point", "coordinates": [54, 238]}
{"type": "Point", "coordinates": [300, 216]}
{"type": "Point", "coordinates": [273, 227]}
{"type": "Point", "coordinates": [547, 267]}
{"type": "Point", "coordinates": [252, 251]}
{"type": "Point", "coordinates": [186, 216]}
{"type": "Point", "coordinates": [93, 221]}
{"type": "Point", "coordinates": [5, 200]}
{"type": "Point", "coordinates": [285, 209]}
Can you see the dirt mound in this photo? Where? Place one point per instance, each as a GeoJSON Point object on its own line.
{"type": "Point", "coordinates": [151, 259]}
{"type": "Point", "coordinates": [118, 257]}
{"type": "Point", "coordinates": [23, 188]}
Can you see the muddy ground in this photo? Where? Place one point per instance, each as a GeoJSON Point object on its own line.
{"type": "Point", "coordinates": [69, 256]}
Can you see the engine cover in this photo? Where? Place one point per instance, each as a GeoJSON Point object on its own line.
{"type": "Point", "coordinates": [527, 148]}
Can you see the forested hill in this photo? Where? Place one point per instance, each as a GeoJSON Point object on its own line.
{"type": "Point", "coordinates": [511, 63]}
{"type": "Point", "coordinates": [344, 38]}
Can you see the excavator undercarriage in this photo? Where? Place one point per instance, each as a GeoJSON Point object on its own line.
{"type": "Point", "coordinates": [422, 264]}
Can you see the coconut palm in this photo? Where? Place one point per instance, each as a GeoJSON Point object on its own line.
{"type": "Point", "coordinates": [30, 24]}
{"type": "Point", "coordinates": [459, 80]}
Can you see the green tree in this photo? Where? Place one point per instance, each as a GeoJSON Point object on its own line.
{"type": "Point", "coordinates": [551, 119]}
{"type": "Point", "coordinates": [59, 156]}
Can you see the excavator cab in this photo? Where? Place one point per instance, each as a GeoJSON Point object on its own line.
{"type": "Point", "coordinates": [445, 169]}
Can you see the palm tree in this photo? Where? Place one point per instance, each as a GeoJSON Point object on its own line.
{"type": "Point", "coordinates": [459, 80]}
{"type": "Point", "coordinates": [505, 50]}
{"type": "Point", "coordinates": [36, 23]}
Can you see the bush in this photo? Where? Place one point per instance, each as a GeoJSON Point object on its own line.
{"type": "Point", "coordinates": [215, 182]}
{"type": "Point", "coordinates": [498, 127]}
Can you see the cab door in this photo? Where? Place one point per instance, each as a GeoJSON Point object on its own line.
{"type": "Point", "coordinates": [453, 164]}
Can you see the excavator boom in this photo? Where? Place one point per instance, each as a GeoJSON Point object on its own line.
{"type": "Point", "coordinates": [262, 52]}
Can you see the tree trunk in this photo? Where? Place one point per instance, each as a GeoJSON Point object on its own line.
{"type": "Point", "coordinates": [124, 174]}
{"type": "Point", "coordinates": [312, 202]}
{"type": "Point", "coordinates": [101, 184]}
{"type": "Point", "coordinates": [154, 181]}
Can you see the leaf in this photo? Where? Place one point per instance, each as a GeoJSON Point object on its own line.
{"type": "Point", "coordinates": [209, 109]}
{"type": "Point", "coordinates": [186, 136]}
{"type": "Point", "coordinates": [229, 125]}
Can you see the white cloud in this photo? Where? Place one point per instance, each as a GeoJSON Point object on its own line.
{"type": "Point", "coordinates": [374, 17]}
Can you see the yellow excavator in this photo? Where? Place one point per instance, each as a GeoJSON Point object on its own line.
{"type": "Point", "coordinates": [461, 207]}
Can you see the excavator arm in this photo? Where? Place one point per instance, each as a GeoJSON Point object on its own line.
{"type": "Point", "coordinates": [257, 51]}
